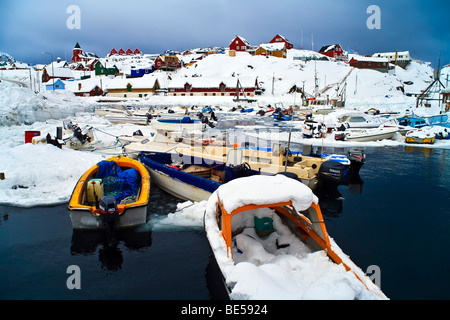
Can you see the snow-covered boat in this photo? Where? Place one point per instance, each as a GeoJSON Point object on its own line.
{"type": "Point", "coordinates": [263, 232]}
{"type": "Point", "coordinates": [113, 193]}
{"type": "Point", "coordinates": [420, 136]}
{"type": "Point", "coordinates": [190, 178]}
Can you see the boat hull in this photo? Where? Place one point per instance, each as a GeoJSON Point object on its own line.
{"type": "Point", "coordinates": [86, 215]}
{"type": "Point", "coordinates": [418, 140]}
{"type": "Point", "coordinates": [130, 218]}
{"type": "Point", "coordinates": [177, 188]}
{"type": "Point", "coordinates": [187, 185]}
{"type": "Point", "coordinates": [370, 137]}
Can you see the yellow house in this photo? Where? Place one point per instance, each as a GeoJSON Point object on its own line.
{"type": "Point", "coordinates": [133, 88]}
{"type": "Point", "coordinates": [272, 49]}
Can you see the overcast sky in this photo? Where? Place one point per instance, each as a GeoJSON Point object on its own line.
{"type": "Point", "coordinates": [28, 27]}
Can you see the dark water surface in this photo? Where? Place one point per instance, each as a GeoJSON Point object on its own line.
{"type": "Point", "coordinates": [397, 218]}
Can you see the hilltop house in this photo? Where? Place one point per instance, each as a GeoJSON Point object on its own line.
{"type": "Point", "coordinates": [279, 38]}
{"type": "Point", "coordinates": [122, 52]}
{"type": "Point", "coordinates": [167, 63]}
{"type": "Point", "coordinates": [272, 49]}
{"type": "Point", "coordinates": [378, 64]}
{"type": "Point", "coordinates": [239, 44]}
{"type": "Point", "coordinates": [400, 58]}
{"type": "Point", "coordinates": [333, 51]}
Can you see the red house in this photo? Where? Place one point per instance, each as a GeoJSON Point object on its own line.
{"type": "Point", "coordinates": [239, 44]}
{"type": "Point", "coordinates": [332, 51]}
{"type": "Point", "coordinates": [279, 38]}
{"type": "Point", "coordinates": [167, 63]}
{"type": "Point", "coordinates": [129, 52]}
{"type": "Point", "coordinates": [113, 52]}
{"type": "Point", "coordinates": [137, 51]}
{"type": "Point", "coordinates": [121, 52]}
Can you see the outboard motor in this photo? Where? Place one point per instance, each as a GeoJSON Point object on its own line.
{"type": "Point", "coordinates": [108, 210]}
{"type": "Point", "coordinates": [357, 159]}
{"type": "Point", "coordinates": [332, 172]}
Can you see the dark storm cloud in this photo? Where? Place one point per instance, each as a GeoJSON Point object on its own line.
{"type": "Point", "coordinates": [30, 27]}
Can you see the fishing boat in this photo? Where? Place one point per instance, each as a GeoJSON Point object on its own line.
{"type": "Point", "coordinates": [113, 193]}
{"type": "Point", "coordinates": [191, 178]}
{"type": "Point", "coordinates": [263, 229]}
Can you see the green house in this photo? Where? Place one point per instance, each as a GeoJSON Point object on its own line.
{"type": "Point", "coordinates": [101, 70]}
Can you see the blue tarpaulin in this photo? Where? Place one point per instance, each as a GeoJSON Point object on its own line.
{"type": "Point", "coordinates": [117, 182]}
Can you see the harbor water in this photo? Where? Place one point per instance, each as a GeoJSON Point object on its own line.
{"type": "Point", "coordinates": [395, 217]}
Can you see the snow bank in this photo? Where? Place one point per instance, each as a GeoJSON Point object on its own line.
{"type": "Point", "coordinates": [41, 174]}
{"type": "Point", "coordinates": [20, 105]}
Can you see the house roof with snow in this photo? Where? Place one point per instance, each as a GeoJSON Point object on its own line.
{"type": "Point", "coordinates": [278, 46]}
{"type": "Point", "coordinates": [329, 48]}
{"type": "Point", "coordinates": [59, 72]}
{"type": "Point", "coordinates": [147, 81]}
{"type": "Point", "coordinates": [242, 39]}
{"type": "Point", "coordinates": [369, 59]}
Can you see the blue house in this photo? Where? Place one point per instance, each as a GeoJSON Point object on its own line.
{"type": "Point", "coordinates": [59, 85]}
{"type": "Point", "coordinates": [135, 73]}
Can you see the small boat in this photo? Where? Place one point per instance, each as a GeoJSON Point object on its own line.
{"type": "Point", "coordinates": [191, 178]}
{"type": "Point", "coordinates": [263, 229]}
{"type": "Point", "coordinates": [113, 193]}
{"type": "Point", "coordinates": [420, 136]}
{"type": "Point", "coordinates": [313, 129]}
{"type": "Point", "coordinates": [70, 136]}
{"type": "Point", "coordinates": [370, 134]}
{"type": "Point", "coordinates": [246, 110]}
{"type": "Point", "coordinates": [180, 124]}
{"type": "Point", "coordinates": [280, 116]}
{"type": "Point", "coordinates": [413, 122]}
{"type": "Point", "coordinates": [362, 120]}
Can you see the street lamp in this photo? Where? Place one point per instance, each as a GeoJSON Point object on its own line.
{"type": "Point", "coordinates": [53, 68]}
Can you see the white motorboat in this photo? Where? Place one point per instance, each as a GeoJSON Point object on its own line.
{"type": "Point", "coordinates": [369, 134]}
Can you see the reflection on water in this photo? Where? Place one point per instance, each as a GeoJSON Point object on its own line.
{"type": "Point", "coordinates": [86, 242]}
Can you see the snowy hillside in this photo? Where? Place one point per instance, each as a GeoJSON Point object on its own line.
{"type": "Point", "coordinates": [364, 88]}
